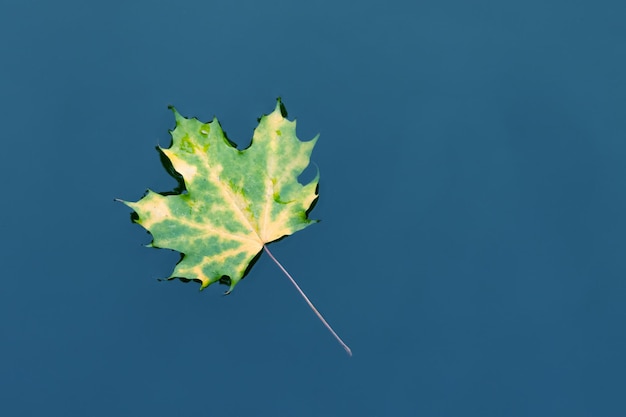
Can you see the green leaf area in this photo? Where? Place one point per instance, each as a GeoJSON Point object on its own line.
{"type": "Point", "coordinates": [234, 201]}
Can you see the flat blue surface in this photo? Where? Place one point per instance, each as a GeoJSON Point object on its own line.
{"type": "Point", "coordinates": [473, 198]}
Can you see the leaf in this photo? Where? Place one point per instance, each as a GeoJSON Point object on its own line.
{"type": "Point", "coordinates": [232, 202]}
{"type": "Point", "coordinates": [235, 201]}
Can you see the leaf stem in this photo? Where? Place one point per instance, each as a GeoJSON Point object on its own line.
{"type": "Point", "coordinates": [317, 313]}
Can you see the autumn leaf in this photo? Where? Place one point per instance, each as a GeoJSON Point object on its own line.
{"type": "Point", "coordinates": [232, 202]}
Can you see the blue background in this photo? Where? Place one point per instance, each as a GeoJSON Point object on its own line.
{"type": "Point", "coordinates": [473, 191]}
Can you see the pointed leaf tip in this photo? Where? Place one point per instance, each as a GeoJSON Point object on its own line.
{"type": "Point", "coordinates": [177, 115]}
{"type": "Point", "coordinates": [126, 203]}
{"type": "Point", "coordinates": [280, 107]}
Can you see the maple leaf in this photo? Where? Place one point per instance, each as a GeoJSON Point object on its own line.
{"type": "Point", "coordinates": [232, 202]}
